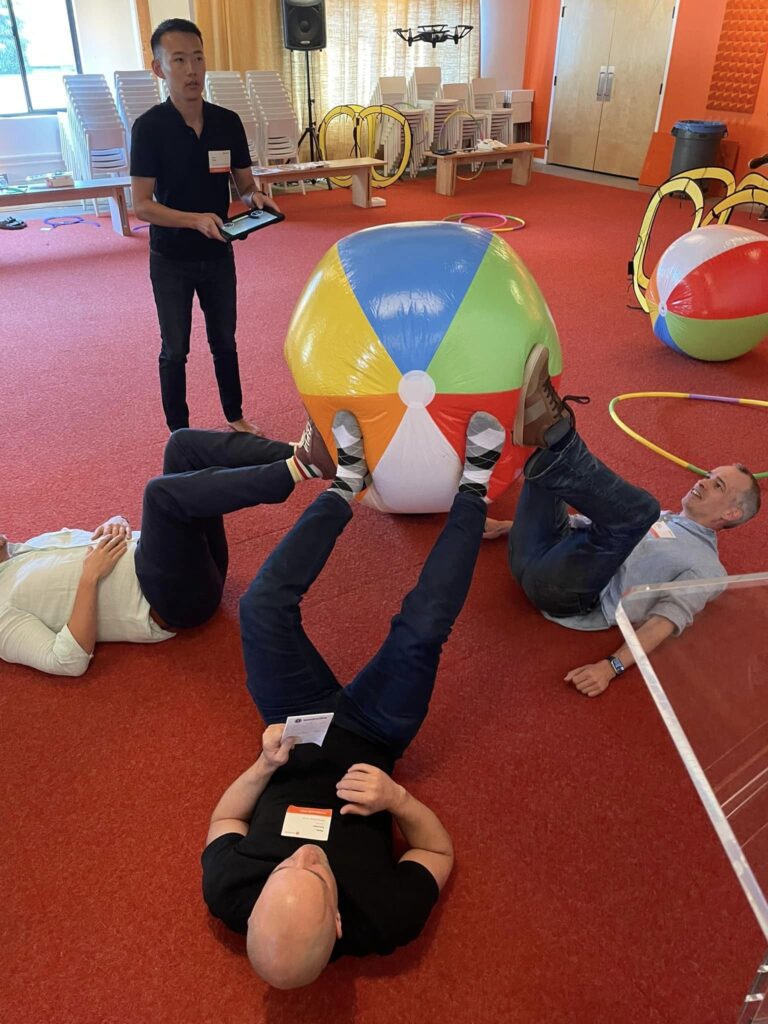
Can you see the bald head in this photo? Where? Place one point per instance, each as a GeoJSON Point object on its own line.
{"type": "Point", "coordinates": [295, 922]}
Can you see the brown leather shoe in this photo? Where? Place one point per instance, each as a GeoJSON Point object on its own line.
{"type": "Point", "coordinates": [543, 417]}
{"type": "Point", "coordinates": [312, 453]}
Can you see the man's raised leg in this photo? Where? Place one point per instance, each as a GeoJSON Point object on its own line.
{"type": "Point", "coordinates": [389, 699]}
{"type": "Point", "coordinates": [562, 570]}
{"type": "Point", "coordinates": [285, 672]}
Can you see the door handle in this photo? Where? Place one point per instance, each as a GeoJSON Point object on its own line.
{"type": "Point", "coordinates": [601, 82]}
{"type": "Point", "coordinates": [608, 90]}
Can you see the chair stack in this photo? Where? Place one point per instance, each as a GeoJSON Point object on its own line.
{"type": "Point", "coordinates": [279, 124]}
{"type": "Point", "coordinates": [472, 126]}
{"type": "Point", "coordinates": [485, 100]}
{"type": "Point", "coordinates": [392, 91]}
{"type": "Point", "coordinates": [425, 90]}
{"type": "Point", "coordinates": [226, 89]}
{"type": "Point", "coordinates": [93, 140]}
{"type": "Point", "coordinates": [136, 92]}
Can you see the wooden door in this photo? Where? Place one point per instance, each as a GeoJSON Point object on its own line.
{"type": "Point", "coordinates": [635, 72]}
{"type": "Point", "coordinates": [586, 30]}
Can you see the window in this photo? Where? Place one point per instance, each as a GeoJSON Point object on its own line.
{"type": "Point", "coordinates": [37, 47]}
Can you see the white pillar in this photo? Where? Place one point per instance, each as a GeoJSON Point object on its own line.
{"type": "Point", "coordinates": [503, 36]}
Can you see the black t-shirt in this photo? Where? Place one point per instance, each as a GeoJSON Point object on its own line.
{"type": "Point", "coordinates": [382, 904]}
{"type": "Point", "coordinates": [165, 148]}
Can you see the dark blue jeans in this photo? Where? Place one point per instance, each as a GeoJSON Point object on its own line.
{"type": "Point", "coordinates": [563, 570]}
{"type": "Point", "coordinates": [174, 283]}
{"type": "Point", "coordinates": [388, 699]}
{"type": "Point", "coordinates": [182, 557]}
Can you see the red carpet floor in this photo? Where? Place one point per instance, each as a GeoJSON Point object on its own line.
{"type": "Point", "coordinates": [589, 887]}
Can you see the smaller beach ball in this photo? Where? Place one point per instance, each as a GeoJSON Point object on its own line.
{"type": "Point", "coordinates": [708, 296]}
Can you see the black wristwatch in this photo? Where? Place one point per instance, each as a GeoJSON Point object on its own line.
{"type": "Point", "coordinates": [616, 665]}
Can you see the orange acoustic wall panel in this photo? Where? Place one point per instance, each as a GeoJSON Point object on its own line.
{"type": "Point", "coordinates": [740, 57]}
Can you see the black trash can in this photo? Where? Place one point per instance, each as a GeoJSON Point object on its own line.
{"type": "Point", "coordinates": [696, 144]}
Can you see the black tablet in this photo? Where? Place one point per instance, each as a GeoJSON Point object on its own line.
{"type": "Point", "coordinates": [243, 225]}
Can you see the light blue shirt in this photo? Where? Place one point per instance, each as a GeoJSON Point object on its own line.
{"type": "Point", "coordinates": [689, 554]}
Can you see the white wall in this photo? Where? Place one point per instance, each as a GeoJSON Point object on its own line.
{"type": "Point", "coordinates": [159, 10]}
{"type": "Point", "coordinates": [504, 31]}
{"type": "Point", "coordinates": [108, 34]}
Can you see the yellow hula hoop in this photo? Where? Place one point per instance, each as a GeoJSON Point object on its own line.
{"type": "Point", "coordinates": [676, 394]}
{"type": "Point", "coordinates": [358, 114]}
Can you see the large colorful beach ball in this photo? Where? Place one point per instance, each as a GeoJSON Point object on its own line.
{"type": "Point", "coordinates": [708, 296]}
{"type": "Point", "coordinates": [413, 327]}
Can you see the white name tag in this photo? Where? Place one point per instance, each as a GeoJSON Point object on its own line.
{"type": "Point", "coordinates": [661, 531]}
{"type": "Point", "coordinates": [308, 728]}
{"type": "Point", "coordinates": [218, 161]}
{"type": "Point", "coordinates": [312, 823]}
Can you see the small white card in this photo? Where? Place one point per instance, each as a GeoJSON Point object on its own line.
{"type": "Point", "coordinates": [308, 728]}
{"type": "Point", "coordinates": [218, 161]}
{"type": "Point", "coordinates": [307, 823]}
{"type": "Point", "coordinates": [660, 531]}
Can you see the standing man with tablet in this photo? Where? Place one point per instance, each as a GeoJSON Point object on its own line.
{"type": "Point", "coordinates": [182, 154]}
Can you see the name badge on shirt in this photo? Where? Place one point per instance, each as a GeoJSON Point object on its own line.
{"type": "Point", "coordinates": [661, 531]}
{"type": "Point", "coordinates": [312, 823]}
{"type": "Point", "coordinates": [218, 161]}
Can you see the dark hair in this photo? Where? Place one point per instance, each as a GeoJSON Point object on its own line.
{"type": "Point", "coordinates": [749, 501]}
{"type": "Point", "coordinates": [173, 25]}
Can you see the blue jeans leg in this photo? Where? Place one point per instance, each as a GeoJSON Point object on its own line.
{"type": "Point", "coordinates": [564, 570]}
{"type": "Point", "coordinates": [388, 700]}
{"type": "Point", "coordinates": [217, 292]}
{"type": "Point", "coordinates": [181, 557]}
{"type": "Point", "coordinates": [173, 285]}
{"type": "Point", "coordinates": [286, 675]}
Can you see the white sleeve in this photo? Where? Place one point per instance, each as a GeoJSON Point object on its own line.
{"type": "Point", "coordinates": [25, 640]}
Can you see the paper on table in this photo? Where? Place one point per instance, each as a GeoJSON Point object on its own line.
{"type": "Point", "coordinates": [308, 728]}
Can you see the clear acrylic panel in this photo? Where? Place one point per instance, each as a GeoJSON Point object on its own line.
{"type": "Point", "coordinates": [710, 686]}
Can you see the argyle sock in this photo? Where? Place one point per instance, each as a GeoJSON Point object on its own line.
{"type": "Point", "coordinates": [352, 470]}
{"type": "Point", "coordinates": [485, 439]}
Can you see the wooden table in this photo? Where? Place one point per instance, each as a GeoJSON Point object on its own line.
{"type": "Point", "coordinates": [520, 153]}
{"type": "Point", "coordinates": [112, 189]}
{"type": "Point", "coordinates": [359, 168]}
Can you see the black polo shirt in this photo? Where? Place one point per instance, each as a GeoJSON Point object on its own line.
{"type": "Point", "coordinates": [165, 148]}
{"type": "Point", "coordinates": [384, 903]}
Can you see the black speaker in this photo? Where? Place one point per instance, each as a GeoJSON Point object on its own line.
{"type": "Point", "coordinates": [304, 24]}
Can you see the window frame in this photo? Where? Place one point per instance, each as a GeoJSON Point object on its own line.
{"type": "Point", "coordinates": [35, 111]}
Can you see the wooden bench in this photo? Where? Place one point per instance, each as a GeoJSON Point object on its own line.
{"type": "Point", "coordinates": [359, 168]}
{"type": "Point", "coordinates": [520, 153]}
{"type": "Point", "coordinates": [112, 189]}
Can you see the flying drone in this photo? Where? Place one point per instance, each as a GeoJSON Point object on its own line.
{"type": "Point", "coordinates": [433, 34]}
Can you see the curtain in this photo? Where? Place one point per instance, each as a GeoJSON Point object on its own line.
{"type": "Point", "coordinates": [246, 35]}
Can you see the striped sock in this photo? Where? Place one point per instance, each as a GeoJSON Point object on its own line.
{"type": "Point", "coordinates": [485, 440]}
{"type": "Point", "coordinates": [352, 470]}
{"type": "Point", "coordinates": [299, 471]}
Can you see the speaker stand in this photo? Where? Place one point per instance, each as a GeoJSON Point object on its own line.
{"type": "Point", "coordinates": [310, 132]}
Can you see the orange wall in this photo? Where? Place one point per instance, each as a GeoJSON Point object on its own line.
{"type": "Point", "coordinates": [690, 70]}
{"type": "Point", "coordinates": [543, 18]}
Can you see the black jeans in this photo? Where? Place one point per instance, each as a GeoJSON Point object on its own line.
{"type": "Point", "coordinates": [174, 283]}
{"type": "Point", "coordinates": [563, 570]}
{"type": "Point", "coordinates": [388, 699]}
{"type": "Point", "coordinates": [182, 557]}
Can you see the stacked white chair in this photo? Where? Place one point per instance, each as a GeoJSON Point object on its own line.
{"type": "Point", "coordinates": [473, 126]}
{"type": "Point", "coordinates": [278, 121]}
{"type": "Point", "coordinates": [425, 90]}
{"type": "Point", "coordinates": [392, 91]}
{"type": "Point", "coordinates": [484, 99]}
{"type": "Point", "coordinates": [92, 134]}
{"type": "Point", "coordinates": [135, 92]}
{"type": "Point", "coordinates": [226, 89]}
